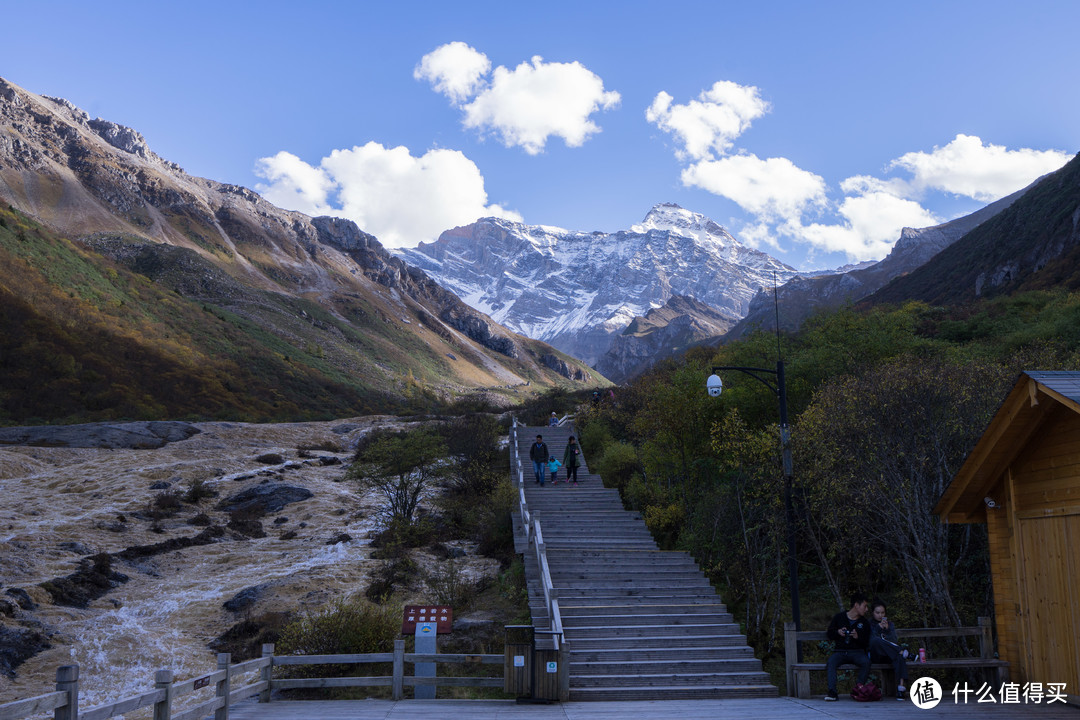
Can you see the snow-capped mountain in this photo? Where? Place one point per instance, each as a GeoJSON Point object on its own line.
{"type": "Point", "coordinates": [576, 290]}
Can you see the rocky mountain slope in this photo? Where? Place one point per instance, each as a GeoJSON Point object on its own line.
{"type": "Point", "coordinates": [299, 313]}
{"type": "Point", "coordinates": [1032, 245]}
{"type": "Point", "coordinates": [665, 331]}
{"type": "Point", "coordinates": [803, 296]}
{"type": "Point", "coordinates": [579, 290]}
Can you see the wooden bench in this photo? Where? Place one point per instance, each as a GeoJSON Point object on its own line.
{"type": "Point", "coordinates": [798, 673]}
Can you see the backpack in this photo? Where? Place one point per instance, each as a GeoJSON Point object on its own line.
{"type": "Point", "coordinates": [865, 692]}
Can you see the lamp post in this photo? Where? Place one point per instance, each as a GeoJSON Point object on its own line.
{"type": "Point", "coordinates": [715, 386]}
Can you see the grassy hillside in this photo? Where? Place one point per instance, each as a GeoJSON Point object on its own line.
{"type": "Point", "coordinates": [83, 338]}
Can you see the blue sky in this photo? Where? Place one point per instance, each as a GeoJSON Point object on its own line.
{"type": "Point", "coordinates": [811, 130]}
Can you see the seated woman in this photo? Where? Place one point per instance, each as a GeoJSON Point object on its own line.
{"type": "Point", "coordinates": [885, 646]}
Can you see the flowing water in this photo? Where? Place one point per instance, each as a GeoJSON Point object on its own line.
{"type": "Point", "coordinates": [171, 607]}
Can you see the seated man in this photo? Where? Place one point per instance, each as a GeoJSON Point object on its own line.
{"type": "Point", "coordinates": [851, 633]}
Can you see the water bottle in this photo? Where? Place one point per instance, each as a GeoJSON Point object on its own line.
{"type": "Point", "coordinates": [922, 655]}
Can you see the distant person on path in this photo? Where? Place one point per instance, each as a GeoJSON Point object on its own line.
{"type": "Point", "coordinates": [572, 459]}
{"type": "Point", "coordinates": [538, 453]}
{"type": "Point", "coordinates": [885, 646]}
{"type": "Point", "coordinates": [595, 398]}
{"type": "Point", "coordinates": [554, 421]}
{"type": "Point", "coordinates": [851, 632]}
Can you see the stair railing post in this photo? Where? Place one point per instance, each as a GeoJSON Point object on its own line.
{"type": "Point", "coordinates": [267, 672]}
{"type": "Point", "coordinates": [67, 680]}
{"type": "Point", "coordinates": [224, 685]}
{"type": "Point", "coordinates": [791, 652]}
{"type": "Point", "coordinates": [163, 680]}
{"type": "Point", "coordinates": [564, 671]}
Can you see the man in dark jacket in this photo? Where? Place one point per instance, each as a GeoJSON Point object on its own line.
{"type": "Point", "coordinates": [538, 453]}
{"type": "Point", "coordinates": [850, 631]}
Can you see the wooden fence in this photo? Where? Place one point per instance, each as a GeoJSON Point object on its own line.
{"type": "Point", "coordinates": [64, 701]}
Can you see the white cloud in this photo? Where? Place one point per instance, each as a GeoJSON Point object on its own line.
{"type": "Point", "coordinates": [294, 184]}
{"type": "Point", "coordinates": [984, 172]}
{"type": "Point", "coordinates": [871, 225]}
{"type": "Point", "coordinates": [455, 70]}
{"type": "Point", "coordinates": [710, 124]}
{"type": "Point", "coordinates": [774, 188]}
{"type": "Point", "coordinates": [525, 106]}
{"type": "Point", "coordinates": [400, 199]}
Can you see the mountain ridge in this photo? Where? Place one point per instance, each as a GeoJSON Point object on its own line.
{"type": "Point", "coordinates": [803, 296]}
{"type": "Point", "coordinates": [578, 290]}
{"type": "Point", "coordinates": [320, 286]}
{"type": "Point", "coordinates": [1032, 244]}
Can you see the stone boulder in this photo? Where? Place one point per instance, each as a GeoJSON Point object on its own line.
{"type": "Point", "coordinates": [130, 435]}
{"type": "Point", "coordinates": [269, 498]}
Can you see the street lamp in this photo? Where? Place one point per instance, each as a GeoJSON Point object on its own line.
{"type": "Point", "coordinates": [714, 385]}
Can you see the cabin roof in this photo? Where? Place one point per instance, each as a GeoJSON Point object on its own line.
{"type": "Point", "coordinates": [1035, 393]}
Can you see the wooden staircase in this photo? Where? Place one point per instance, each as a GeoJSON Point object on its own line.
{"type": "Point", "coordinates": [638, 623]}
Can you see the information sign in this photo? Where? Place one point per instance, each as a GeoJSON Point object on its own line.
{"type": "Point", "coordinates": [441, 615]}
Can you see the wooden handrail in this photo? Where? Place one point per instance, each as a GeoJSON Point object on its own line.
{"type": "Point", "coordinates": [165, 690]}
{"type": "Point", "coordinates": [32, 706]}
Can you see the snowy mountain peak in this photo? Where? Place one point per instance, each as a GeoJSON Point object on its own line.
{"type": "Point", "coordinates": [577, 290]}
{"type": "Point", "coordinates": [670, 217]}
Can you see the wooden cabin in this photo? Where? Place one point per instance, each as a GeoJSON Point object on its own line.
{"type": "Point", "coordinates": [1023, 480]}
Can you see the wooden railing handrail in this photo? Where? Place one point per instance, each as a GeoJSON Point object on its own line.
{"type": "Point", "coordinates": [32, 706]}
{"type": "Point", "coordinates": [166, 691]}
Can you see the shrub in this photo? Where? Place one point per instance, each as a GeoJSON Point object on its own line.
{"type": "Point", "coordinates": [617, 464]}
{"type": "Point", "coordinates": [345, 627]}
{"type": "Point", "coordinates": [392, 573]}
{"type": "Point", "coordinates": [449, 586]}
{"type": "Point", "coordinates": [198, 490]}
{"type": "Point", "coordinates": [664, 523]}
{"type": "Point", "coordinates": [594, 437]}
{"type": "Point", "coordinates": [165, 504]}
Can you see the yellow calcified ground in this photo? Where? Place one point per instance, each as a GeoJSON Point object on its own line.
{"type": "Point", "coordinates": [165, 615]}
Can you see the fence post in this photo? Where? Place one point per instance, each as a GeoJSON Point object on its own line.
{"type": "Point", "coordinates": [986, 638]}
{"type": "Point", "coordinates": [267, 672]}
{"type": "Point", "coordinates": [67, 680]}
{"type": "Point", "coordinates": [398, 689]}
{"type": "Point", "coordinates": [791, 652]}
{"type": "Point", "coordinates": [163, 680]}
{"type": "Point", "coordinates": [223, 685]}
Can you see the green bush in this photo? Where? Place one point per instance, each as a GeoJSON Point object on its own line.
{"type": "Point", "coordinates": [594, 437]}
{"type": "Point", "coordinates": [617, 464]}
{"type": "Point", "coordinates": [345, 627]}
{"type": "Point", "coordinates": [665, 523]}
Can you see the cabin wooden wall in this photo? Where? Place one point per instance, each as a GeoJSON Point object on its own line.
{"type": "Point", "coordinates": [1035, 555]}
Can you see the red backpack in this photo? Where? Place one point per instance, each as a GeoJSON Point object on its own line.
{"type": "Point", "coordinates": [866, 692]}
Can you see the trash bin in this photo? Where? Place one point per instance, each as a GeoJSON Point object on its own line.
{"type": "Point", "coordinates": [518, 660]}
